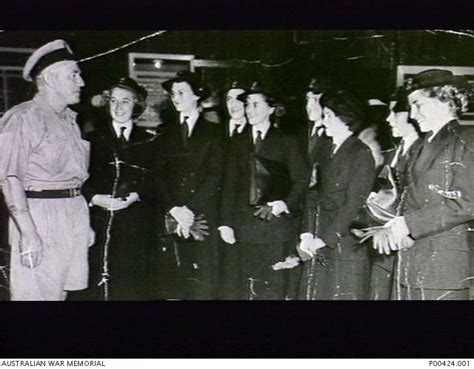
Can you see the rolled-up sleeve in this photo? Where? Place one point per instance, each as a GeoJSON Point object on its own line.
{"type": "Point", "coordinates": [15, 146]}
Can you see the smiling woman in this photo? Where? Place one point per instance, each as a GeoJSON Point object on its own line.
{"type": "Point", "coordinates": [122, 212]}
{"type": "Point", "coordinates": [438, 196]}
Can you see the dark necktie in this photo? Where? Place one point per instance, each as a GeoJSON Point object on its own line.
{"type": "Point", "coordinates": [235, 130]}
{"type": "Point", "coordinates": [185, 130]}
{"type": "Point", "coordinates": [122, 137]}
{"type": "Point", "coordinates": [258, 142]}
{"type": "Point", "coordinates": [254, 190]}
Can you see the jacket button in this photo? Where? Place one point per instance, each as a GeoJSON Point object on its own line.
{"type": "Point", "coordinates": [192, 191]}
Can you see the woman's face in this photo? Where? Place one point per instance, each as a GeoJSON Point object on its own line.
{"type": "Point", "coordinates": [183, 97]}
{"type": "Point", "coordinates": [399, 124]}
{"type": "Point", "coordinates": [427, 111]}
{"type": "Point", "coordinates": [235, 107]}
{"type": "Point", "coordinates": [257, 109]}
{"type": "Point", "coordinates": [334, 125]}
{"type": "Point", "coordinates": [121, 104]}
{"type": "Point", "coordinates": [313, 108]}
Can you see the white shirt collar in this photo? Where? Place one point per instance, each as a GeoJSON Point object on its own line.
{"type": "Point", "coordinates": [317, 128]}
{"type": "Point", "coordinates": [408, 141]}
{"type": "Point", "coordinates": [233, 122]}
{"type": "Point", "coordinates": [264, 127]}
{"type": "Point", "coordinates": [192, 119]}
{"type": "Point", "coordinates": [128, 128]}
{"type": "Point", "coordinates": [340, 141]}
{"type": "Point", "coordinates": [436, 131]}
{"type": "Point", "coordinates": [403, 148]}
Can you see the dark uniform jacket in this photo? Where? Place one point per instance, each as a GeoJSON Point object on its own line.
{"type": "Point", "coordinates": [118, 168]}
{"type": "Point", "coordinates": [346, 180]}
{"type": "Point", "coordinates": [235, 209]}
{"type": "Point", "coordinates": [134, 160]}
{"type": "Point", "coordinates": [192, 173]}
{"type": "Point", "coordinates": [315, 147]}
{"type": "Point", "coordinates": [439, 200]}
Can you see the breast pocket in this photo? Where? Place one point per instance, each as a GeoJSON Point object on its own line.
{"type": "Point", "coordinates": [52, 151]}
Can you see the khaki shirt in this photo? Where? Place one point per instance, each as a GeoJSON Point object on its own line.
{"type": "Point", "coordinates": [41, 148]}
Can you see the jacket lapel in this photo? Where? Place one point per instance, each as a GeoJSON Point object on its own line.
{"type": "Point", "coordinates": [429, 152]}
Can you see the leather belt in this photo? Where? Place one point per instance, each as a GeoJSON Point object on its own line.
{"type": "Point", "coordinates": [54, 194]}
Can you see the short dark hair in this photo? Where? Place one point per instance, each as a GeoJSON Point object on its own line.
{"type": "Point", "coordinates": [347, 107]}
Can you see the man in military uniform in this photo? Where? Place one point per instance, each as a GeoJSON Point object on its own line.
{"type": "Point", "coordinates": [43, 165]}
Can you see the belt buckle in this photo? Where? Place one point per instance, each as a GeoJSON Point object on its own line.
{"type": "Point", "coordinates": [73, 192]}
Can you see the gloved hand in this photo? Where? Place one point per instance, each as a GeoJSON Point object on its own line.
{"type": "Point", "coordinates": [200, 228]}
{"type": "Point", "coordinates": [398, 228]}
{"type": "Point", "coordinates": [108, 202]}
{"type": "Point", "coordinates": [183, 215]}
{"type": "Point", "coordinates": [310, 244]}
{"type": "Point", "coordinates": [227, 234]}
{"type": "Point", "coordinates": [264, 212]}
{"type": "Point", "coordinates": [278, 207]}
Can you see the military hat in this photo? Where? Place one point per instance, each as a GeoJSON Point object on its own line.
{"type": "Point", "coordinates": [318, 85]}
{"type": "Point", "coordinates": [192, 79]}
{"type": "Point", "coordinates": [47, 55]}
{"type": "Point", "coordinates": [257, 87]}
{"type": "Point", "coordinates": [131, 85]}
{"type": "Point", "coordinates": [236, 84]}
{"type": "Point", "coordinates": [433, 78]}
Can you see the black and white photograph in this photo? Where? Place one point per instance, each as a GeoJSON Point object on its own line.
{"type": "Point", "coordinates": [236, 165]}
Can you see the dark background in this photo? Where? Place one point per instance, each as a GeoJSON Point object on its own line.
{"type": "Point", "coordinates": [363, 60]}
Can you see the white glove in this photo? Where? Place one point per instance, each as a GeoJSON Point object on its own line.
{"type": "Point", "coordinates": [227, 234]}
{"type": "Point", "coordinates": [310, 244]}
{"type": "Point", "coordinates": [182, 231]}
{"type": "Point", "coordinates": [398, 228]}
{"type": "Point", "coordinates": [278, 207]}
{"type": "Point", "coordinates": [183, 216]}
{"type": "Point", "coordinates": [108, 202]}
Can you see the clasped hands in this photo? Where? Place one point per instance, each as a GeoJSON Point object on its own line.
{"type": "Point", "coordinates": [308, 246]}
{"type": "Point", "coordinates": [271, 209]}
{"type": "Point", "coordinates": [110, 203]}
{"type": "Point", "coordinates": [392, 236]}
{"type": "Point", "coordinates": [188, 224]}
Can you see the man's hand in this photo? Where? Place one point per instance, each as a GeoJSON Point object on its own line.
{"type": "Point", "coordinates": [31, 250]}
{"type": "Point", "coordinates": [91, 239]}
{"type": "Point", "coordinates": [263, 212]}
{"type": "Point", "coordinates": [227, 234]}
{"type": "Point", "coordinates": [183, 215]}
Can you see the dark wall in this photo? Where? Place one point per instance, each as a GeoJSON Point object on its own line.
{"type": "Point", "coordinates": [363, 61]}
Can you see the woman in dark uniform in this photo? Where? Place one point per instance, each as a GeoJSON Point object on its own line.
{"type": "Point", "coordinates": [438, 199]}
{"type": "Point", "coordinates": [339, 266]}
{"type": "Point", "coordinates": [122, 199]}
{"type": "Point", "coordinates": [386, 194]}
